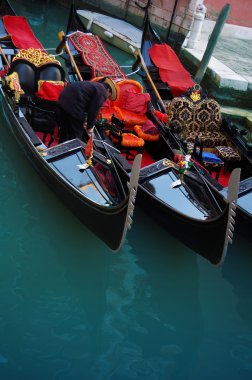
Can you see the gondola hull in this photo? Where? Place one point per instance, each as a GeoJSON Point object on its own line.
{"type": "Point", "coordinates": [244, 209]}
{"type": "Point", "coordinates": [109, 222]}
{"type": "Point", "coordinates": [204, 237]}
{"type": "Point", "coordinates": [187, 218]}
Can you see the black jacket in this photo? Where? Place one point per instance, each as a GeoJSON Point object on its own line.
{"type": "Point", "coordinates": [81, 99]}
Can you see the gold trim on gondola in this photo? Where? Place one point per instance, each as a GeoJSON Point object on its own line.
{"type": "Point", "coordinates": [36, 56]}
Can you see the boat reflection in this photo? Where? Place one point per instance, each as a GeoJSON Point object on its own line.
{"type": "Point", "coordinates": [139, 309]}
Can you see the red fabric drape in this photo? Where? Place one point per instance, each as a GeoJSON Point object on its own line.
{"type": "Point", "coordinates": [170, 68]}
{"type": "Point", "coordinates": [20, 31]}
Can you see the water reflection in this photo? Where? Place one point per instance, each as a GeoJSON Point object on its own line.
{"type": "Point", "coordinates": [237, 271]}
{"type": "Point", "coordinates": [239, 276]}
{"type": "Point", "coordinates": [136, 317]}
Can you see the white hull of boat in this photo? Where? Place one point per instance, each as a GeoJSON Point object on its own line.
{"type": "Point", "coordinates": [112, 30]}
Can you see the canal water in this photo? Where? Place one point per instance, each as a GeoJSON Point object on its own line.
{"type": "Point", "coordinates": [73, 310]}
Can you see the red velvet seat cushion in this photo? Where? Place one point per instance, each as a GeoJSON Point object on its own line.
{"type": "Point", "coordinates": [134, 102]}
{"type": "Point", "coordinates": [50, 90]}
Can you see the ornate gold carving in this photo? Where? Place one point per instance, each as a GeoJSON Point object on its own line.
{"type": "Point", "coordinates": [36, 56]}
{"type": "Point", "coordinates": [195, 96]}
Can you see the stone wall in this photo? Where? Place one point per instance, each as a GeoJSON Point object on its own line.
{"type": "Point", "coordinates": [162, 12]}
{"type": "Point", "coordinates": [240, 11]}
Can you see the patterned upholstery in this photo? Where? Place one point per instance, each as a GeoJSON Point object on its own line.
{"type": "Point", "coordinates": [230, 156]}
{"type": "Point", "coordinates": [208, 139]}
{"type": "Point", "coordinates": [228, 153]}
{"type": "Point", "coordinates": [197, 119]}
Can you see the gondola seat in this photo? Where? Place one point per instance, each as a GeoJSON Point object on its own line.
{"type": "Point", "coordinates": [130, 104]}
{"type": "Point", "coordinates": [41, 109]}
{"type": "Point", "coordinates": [230, 155]}
{"type": "Point", "coordinates": [33, 65]}
{"type": "Point", "coordinates": [30, 75]}
{"type": "Point", "coordinates": [35, 69]}
{"type": "Point", "coordinates": [197, 120]}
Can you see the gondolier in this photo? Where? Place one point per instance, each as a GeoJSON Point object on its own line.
{"type": "Point", "coordinates": [79, 104]}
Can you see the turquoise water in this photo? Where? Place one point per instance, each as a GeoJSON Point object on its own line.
{"type": "Point", "coordinates": [72, 310]}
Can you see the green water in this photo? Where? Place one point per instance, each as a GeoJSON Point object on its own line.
{"type": "Point", "coordinates": [72, 310]}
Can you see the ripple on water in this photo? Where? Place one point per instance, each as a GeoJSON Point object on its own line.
{"type": "Point", "coordinates": [3, 359]}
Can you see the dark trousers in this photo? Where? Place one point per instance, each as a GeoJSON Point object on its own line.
{"type": "Point", "coordinates": [70, 127]}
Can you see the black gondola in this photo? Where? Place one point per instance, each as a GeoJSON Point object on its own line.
{"type": "Point", "coordinates": [86, 181]}
{"type": "Point", "coordinates": [188, 211]}
{"type": "Point", "coordinates": [237, 135]}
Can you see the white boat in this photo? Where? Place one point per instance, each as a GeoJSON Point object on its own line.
{"type": "Point", "coordinates": [117, 32]}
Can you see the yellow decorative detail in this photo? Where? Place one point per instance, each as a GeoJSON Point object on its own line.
{"type": "Point", "coordinates": [167, 162]}
{"type": "Point", "coordinates": [36, 56]}
{"type": "Point", "coordinates": [195, 96]}
{"type": "Point", "coordinates": [12, 81]}
{"type": "Point", "coordinates": [89, 161]}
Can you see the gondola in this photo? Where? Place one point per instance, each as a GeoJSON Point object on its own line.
{"type": "Point", "coordinates": [238, 140]}
{"type": "Point", "coordinates": [182, 203]}
{"type": "Point", "coordinates": [85, 180]}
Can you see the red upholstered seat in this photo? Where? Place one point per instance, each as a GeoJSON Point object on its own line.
{"type": "Point", "coordinates": [170, 68]}
{"type": "Point", "coordinates": [130, 104]}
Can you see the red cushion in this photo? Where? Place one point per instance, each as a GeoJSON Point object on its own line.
{"type": "Point", "coordinates": [134, 102]}
{"type": "Point", "coordinates": [131, 118]}
{"type": "Point", "coordinates": [49, 90]}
